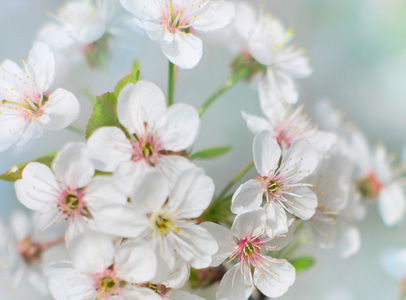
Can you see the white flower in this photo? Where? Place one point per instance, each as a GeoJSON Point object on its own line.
{"type": "Point", "coordinates": [68, 191]}
{"type": "Point", "coordinates": [164, 218]}
{"type": "Point", "coordinates": [247, 244]}
{"type": "Point", "coordinates": [331, 225]}
{"type": "Point", "coordinates": [27, 110]}
{"type": "Point", "coordinates": [172, 23]}
{"type": "Point", "coordinates": [378, 178]}
{"type": "Point", "coordinates": [287, 126]}
{"type": "Point", "coordinates": [80, 22]}
{"type": "Point", "coordinates": [269, 44]}
{"type": "Point", "coordinates": [99, 271]}
{"type": "Point", "coordinates": [281, 184]}
{"type": "Point", "coordinates": [154, 130]}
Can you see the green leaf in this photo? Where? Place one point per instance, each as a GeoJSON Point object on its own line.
{"type": "Point", "coordinates": [133, 77]}
{"type": "Point", "coordinates": [104, 114]}
{"type": "Point", "coordinates": [210, 153]}
{"type": "Point", "coordinates": [15, 173]}
{"type": "Point", "coordinates": [303, 263]}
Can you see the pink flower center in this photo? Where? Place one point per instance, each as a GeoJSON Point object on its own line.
{"type": "Point", "coordinates": [71, 204]}
{"type": "Point", "coordinates": [177, 15]}
{"type": "Point", "coordinates": [369, 186]}
{"type": "Point", "coordinates": [147, 149]}
{"type": "Point", "coordinates": [107, 284]}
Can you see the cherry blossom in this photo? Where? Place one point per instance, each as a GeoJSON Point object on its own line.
{"type": "Point", "coordinates": [172, 24]}
{"type": "Point", "coordinates": [27, 109]}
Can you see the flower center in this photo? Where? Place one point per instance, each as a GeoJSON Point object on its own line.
{"type": "Point", "coordinates": [107, 284]}
{"type": "Point", "coordinates": [162, 224]}
{"type": "Point", "coordinates": [273, 186]}
{"type": "Point", "coordinates": [71, 204]}
{"type": "Point", "coordinates": [369, 186]}
{"type": "Point", "coordinates": [178, 16]}
{"type": "Point", "coordinates": [30, 251]}
{"type": "Point", "coordinates": [147, 149]}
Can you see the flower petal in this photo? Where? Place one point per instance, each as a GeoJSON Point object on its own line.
{"type": "Point", "coordinates": [233, 286]}
{"type": "Point", "coordinates": [391, 204]}
{"type": "Point", "coordinates": [249, 224]}
{"type": "Point", "coordinates": [41, 61]}
{"type": "Point", "coordinates": [276, 219]}
{"type": "Point", "coordinates": [20, 225]}
{"type": "Point", "coordinates": [185, 51]}
{"type": "Point", "coordinates": [171, 166]}
{"type": "Point", "coordinates": [348, 239]}
{"type": "Point", "coordinates": [247, 197]}
{"type": "Point", "coordinates": [215, 15]}
{"type": "Point", "coordinates": [302, 202]}
{"type": "Point", "coordinates": [244, 20]}
{"type": "Point", "coordinates": [256, 124]}
{"type": "Point", "coordinates": [266, 153]}
{"type": "Point", "coordinates": [181, 295]}
{"type": "Point", "coordinates": [11, 130]}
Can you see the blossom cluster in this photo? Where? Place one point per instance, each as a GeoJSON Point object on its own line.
{"type": "Point", "coordinates": [138, 217]}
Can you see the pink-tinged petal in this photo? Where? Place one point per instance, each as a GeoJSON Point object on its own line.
{"type": "Point", "coordinates": [266, 153]}
{"type": "Point", "coordinates": [247, 197]}
{"type": "Point", "coordinates": [302, 202]}
{"type": "Point", "coordinates": [299, 161]}
{"type": "Point", "coordinates": [129, 174]}
{"type": "Point", "coordinates": [92, 252]}
{"type": "Point", "coordinates": [256, 124]}
{"type": "Point", "coordinates": [119, 220]}
{"type": "Point", "coordinates": [41, 62]}
{"type": "Point", "coordinates": [249, 224]}
{"type": "Point", "coordinates": [185, 51]}
{"type": "Point", "coordinates": [224, 239]}
{"type": "Point", "coordinates": [38, 188]}
{"type": "Point", "coordinates": [233, 285]}
{"type": "Point", "coordinates": [348, 240]}
{"type": "Point", "coordinates": [108, 148]}
{"type": "Point", "coordinates": [77, 226]}
{"type": "Point", "coordinates": [276, 219]}
{"type": "Point", "coordinates": [192, 194]}
{"type": "Point", "coordinates": [91, 33]}
{"type": "Point", "coordinates": [179, 127]}
{"type": "Point", "coordinates": [11, 130]}
{"type": "Point", "coordinates": [181, 295]}
{"type": "Point", "coordinates": [20, 225]}
{"type": "Point", "coordinates": [274, 281]}
{"type": "Point", "coordinates": [392, 204]}
{"type": "Point", "coordinates": [140, 106]}
{"type": "Point", "coordinates": [65, 282]}
{"type": "Point", "coordinates": [282, 85]}
{"type": "Point", "coordinates": [215, 15]}
{"type": "Point", "coordinates": [102, 191]}
{"type": "Point", "coordinates": [134, 263]}
{"type": "Point", "coordinates": [72, 165]}
{"type": "Point", "coordinates": [171, 166]}
{"type": "Point", "coordinates": [244, 20]}
{"type": "Point", "coordinates": [151, 193]}
{"type": "Point", "coordinates": [63, 109]}
{"type": "Point", "coordinates": [55, 36]}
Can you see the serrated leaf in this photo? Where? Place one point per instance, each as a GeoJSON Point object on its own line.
{"type": "Point", "coordinates": [303, 263]}
{"type": "Point", "coordinates": [104, 114]}
{"type": "Point", "coordinates": [15, 173]}
{"type": "Point", "coordinates": [133, 77]}
{"type": "Point", "coordinates": [211, 153]}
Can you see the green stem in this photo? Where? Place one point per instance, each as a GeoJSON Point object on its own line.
{"type": "Point", "coordinates": [228, 85]}
{"type": "Point", "coordinates": [171, 79]}
{"type": "Point", "coordinates": [76, 130]}
{"type": "Point", "coordinates": [233, 181]}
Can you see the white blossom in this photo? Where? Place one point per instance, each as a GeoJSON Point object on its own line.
{"type": "Point", "coordinates": [172, 23]}
{"type": "Point", "coordinates": [27, 108]}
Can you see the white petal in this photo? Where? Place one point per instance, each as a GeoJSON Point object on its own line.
{"type": "Point", "coordinates": [275, 280]}
{"type": "Point", "coordinates": [249, 224]}
{"type": "Point", "coordinates": [55, 36]}
{"type": "Point", "coordinates": [129, 174]}
{"type": "Point", "coordinates": [91, 33]}
{"type": "Point", "coordinates": [179, 127]}
{"type": "Point", "coordinates": [322, 141]}
{"type": "Point", "coordinates": [77, 225]}
{"type": "Point", "coordinates": [299, 161]}
{"type": "Point", "coordinates": [302, 202]}
{"type": "Point", "coordinates": [348, 240]}
{"type": "Point", "coordinates": [256, 124]}
{"type": "Point", "coordinates": [244, 19]}
{"type": "Point", "coordinates": [321, 232]}
{"type": "Point", "coordinates": [266, 153]}
{"type": "Point", "coordinates": [38, 188]}
{"type": "Point", "coordinates": [141, 8]}
{"type": "Point", "coordinates": [102, 191]}
{"type": "Point", "coordinates": [72, 165]}
{"type": "Point", "coordinates": [119, 220]}
{"type": "Point", "coordinates": [134, 292]}
{"type": "Point", "coordinates": [20, 225]}
{"type": "Point", "coordinates": [391, 204]}
{"type": "Point", "coordinates": [185, 51]}
{"type": "Point", "coordinates": [171, 166]}
{"type": "Point", "coordinates": [65, 282]}
{"type": "Point", "coordinates": [215, 15]}
{"type": "Point", "coordinates": [181, 295]}
{"type": "Point", "coordinates": [92, 252]}
{"type": "Point", "coordinates": [282, 85]}
{"type": "Point", "coordinates": [134, 263]}
{"type": "Point", "coordinates": [140, 104]}
{"type": "Point", "coordinates": [276, 219]}
{"type": "Point", "coordinates": [361, 152]}
{"type": "Point", "coordinates": [271, 104]}
{"type": "Point", "coordinates": [108, 148]}
{"type": "Point", "coordinates": [224, 239]}
{"type": "Point", "coordinates": [41, 60]}
{"type": "Point", "coordinates": [63, 109]}
{"type": "Point", "coordinates": [247, 197]}
{"type": "Point", "coordinates": [192, 194]}
{"type": "Point", "coordinates": [233, 286]}
{"type": "Point", "coordinates": [11, 130]}
{"type": "Point", "coordinates": [179, 276]}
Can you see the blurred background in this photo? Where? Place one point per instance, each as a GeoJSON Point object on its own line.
{"type": "Point", "coordinates": [358, 52]}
